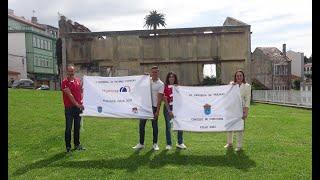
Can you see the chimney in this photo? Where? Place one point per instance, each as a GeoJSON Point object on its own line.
{"type": "Point", "coordinates": [69, 21]}
{"type": "Point", "coordinates": [10, 11]}
{"type": "Point", "coordinates": [63, 18]}
{"type": "Point", "coordinates": [34, 20]}
{"type": "Point", "coordinates": [284, 51]}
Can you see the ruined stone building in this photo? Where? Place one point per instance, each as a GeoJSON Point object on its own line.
{"type": "Point", "coordinates": [182, 50]}
{"type": "Point", "coordinates": [271, 68]}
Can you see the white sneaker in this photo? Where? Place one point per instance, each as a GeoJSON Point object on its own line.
{"type": "Point", "coordinates": [227, 146]}
{"type": "Point", "coordinates": [168, 147]}
{"type": "Point", "coordinates": [155, 147]}
{"type": "Point", "coordinates": [138, 146]}
{"type": "Point", "coordinates": [238, 149]}
{"type": "Point", "coordinates": [182, 146]}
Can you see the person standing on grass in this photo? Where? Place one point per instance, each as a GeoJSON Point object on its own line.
{"type": "Point", "coordinates": [171, 80]}
{"type": "Point", "coordinates": [157, 88]}
{"type": "Point", "coordinates": [72, 100]}
{"type": "Point", "coordinates": [245, 92]}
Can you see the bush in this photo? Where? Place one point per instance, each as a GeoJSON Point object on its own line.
{"type": "Point", "coordinates": [209, 81]}
{"type": "Point", "coordinates": [257, 86]}
{"type": "Point", "coordinates": [296, 84]}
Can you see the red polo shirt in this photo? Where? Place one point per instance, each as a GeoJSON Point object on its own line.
{"type": "Point", "coordinates": [75, 88]}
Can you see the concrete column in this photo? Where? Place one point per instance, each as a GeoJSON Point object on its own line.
{"type": "Point", "coordinates": [64, 58]}
{"type": "Point", "coordinates": [218, 64]}
{"type": "Point", "coordinates": [218, 73]}
{"type": "Point", "coordinates": [156, 46]}
{"type": "Point", "coordinates": [248, 62]}
{"type": "Point", "coordinates": [195, 55]}
{"type": "Point", "coordinates": [141, 55]}
{"type": "Point", "coordinates": [115, 55]}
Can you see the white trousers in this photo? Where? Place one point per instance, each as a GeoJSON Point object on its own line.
{"type": "Point", "coordinates": [239, 138]}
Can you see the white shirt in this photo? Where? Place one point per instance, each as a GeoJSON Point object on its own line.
{"type": "Point", "coordinates": [156, 87]}
{"type": "Point", "coordinates": [245, 93]}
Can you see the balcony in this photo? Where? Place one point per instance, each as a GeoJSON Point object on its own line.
{"type": "Point", "coordinates": [307, 72]}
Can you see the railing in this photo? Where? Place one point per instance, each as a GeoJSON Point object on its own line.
{"type": "Point", "coordinates": [289, 97]}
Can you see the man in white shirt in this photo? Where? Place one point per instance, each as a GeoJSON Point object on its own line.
{"type": "Point", "coordinates": [157, 87]}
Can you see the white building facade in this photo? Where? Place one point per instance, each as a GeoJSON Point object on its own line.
{"type": "Point", "coordinates": [17, 56]}
{"type": "Point", "coordinates": [297, 63]}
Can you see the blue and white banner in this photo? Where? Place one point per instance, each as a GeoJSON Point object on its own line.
{"type": "Point", "coordinates": [207, 109]}
{"type": "Point", "coordinates": [118, 97]}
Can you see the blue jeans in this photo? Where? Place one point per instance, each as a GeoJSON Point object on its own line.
{"type": "Point", "coordinates": [72, 115]}
{"type": "Point", "coordinates": [142, 125]}
{"type": "Point", "coordinates": [168, 127]}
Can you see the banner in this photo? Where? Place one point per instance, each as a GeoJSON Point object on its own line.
{"type": "Point", "coordinates": [119, 97]}
{"type": "Point", "coordinates": [207, 109]}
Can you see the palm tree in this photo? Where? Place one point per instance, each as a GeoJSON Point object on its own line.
{"type": "Point", "coordinates": [154, 20]}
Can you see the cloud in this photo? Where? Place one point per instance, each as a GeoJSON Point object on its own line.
{"type": "Point", "coordinates": [80, 10]}
{"type": "Point", "coordinates": [272, 22]}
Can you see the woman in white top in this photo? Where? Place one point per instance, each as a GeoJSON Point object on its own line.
{"type": "Point", "coordinates": [245, 92]}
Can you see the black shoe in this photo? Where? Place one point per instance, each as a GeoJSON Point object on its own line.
{"type": "Point", "coordinates": [80, 148]}
{"type": "Point", "coordinates": [68, 150]}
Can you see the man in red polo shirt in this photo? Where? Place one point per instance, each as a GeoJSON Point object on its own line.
{"type": "Point", "coordinates": [72, 99]}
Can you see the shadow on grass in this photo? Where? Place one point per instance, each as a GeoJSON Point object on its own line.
{"type": "Point", "coordinates": [133, 162]}
{"type": "Point", "coordinates": [231, 159]}
{"type": "Point", "coordinates": [130, 163]}
{"type": "Point", "coordinates": [39, 164]}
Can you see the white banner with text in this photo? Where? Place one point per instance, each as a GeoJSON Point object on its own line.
{"type": "Point", "coordinates": [207, 109]}
{"type": "Point", "coordinates": [118, 97]}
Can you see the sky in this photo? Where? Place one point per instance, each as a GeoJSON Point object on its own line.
{"type": "Point", "coordinates": [273, 22]}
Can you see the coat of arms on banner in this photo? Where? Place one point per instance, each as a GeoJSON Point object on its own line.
{"type": "Point", "coordinates": [207, 109]}
{"type": "Point", "coordinates": [135, 110]}
{"type": "Point", "coordinates": [125, 89]}
{"type": "Point", "coordinates": [99, 108]}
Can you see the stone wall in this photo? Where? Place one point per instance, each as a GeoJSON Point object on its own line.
{"type": "Point", "coordinates": [184, 51]}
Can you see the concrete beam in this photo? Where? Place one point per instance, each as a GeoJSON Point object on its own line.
{"type": "Point", "coordinates": [176, 31]}
{"type": "Point", "coordinates": [208, 61]}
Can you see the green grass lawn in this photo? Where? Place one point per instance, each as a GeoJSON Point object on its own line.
{"type": "Point", "coordinates": [277, 145]}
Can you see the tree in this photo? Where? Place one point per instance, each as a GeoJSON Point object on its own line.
{"type": "Point", "coordinates": [154, 20]}
{"type": "Point", "coordinates": [308, 60]}
{"type": "Point", "coordinates": [305, 59]}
